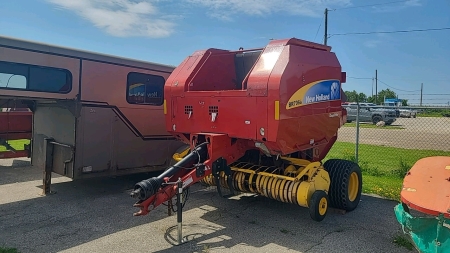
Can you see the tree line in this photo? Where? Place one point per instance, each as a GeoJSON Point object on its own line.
{"type": "Point", "coordinates": [354, 96]}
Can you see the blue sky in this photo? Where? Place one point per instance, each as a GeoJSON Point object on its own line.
{"type": "Point", "coordinates": [167, 31]}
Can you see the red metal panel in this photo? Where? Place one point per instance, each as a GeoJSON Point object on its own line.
{"type": "Point", "coordinates": [236, 121]}
{"type": "Point", "coordinates": [15, 136]}
{"type": "Point", "coordinates": [11, 154]}
{"type": "Point", "coordinates": [259, 76]}
{"type": "Point", "coordinates": [15, 122]}
{"type": "Point", "coordinates": [217, 73]}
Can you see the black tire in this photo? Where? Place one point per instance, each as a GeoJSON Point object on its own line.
{"type": "Point", "coordinates": [376, 119]}
{"type": "Point", "coordinates": [349, 121]}
{"type": "Point", "coordinates": [318, 205]}
{"type": "Point", "coordinates": [341, 173]}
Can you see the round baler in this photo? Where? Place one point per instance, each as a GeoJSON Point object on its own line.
{"type": "Point", "coordinates": [258, 121]}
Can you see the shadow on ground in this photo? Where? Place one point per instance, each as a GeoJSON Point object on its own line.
{"type": "Point", "coordinates": [95, 215]}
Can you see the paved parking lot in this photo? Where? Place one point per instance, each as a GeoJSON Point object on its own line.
{"type": "Point", "coordinates": [96, 216]}
{"type": "Point", "coordinates": [418, 133]}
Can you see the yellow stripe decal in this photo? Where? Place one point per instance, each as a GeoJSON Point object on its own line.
{"type": "Point", "coordinates": [277, 110]}
{"type": "Point", "coordinates": [165, 107]}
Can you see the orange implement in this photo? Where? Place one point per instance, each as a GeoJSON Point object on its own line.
{"type": "Point", "coordinates": [426, 187]}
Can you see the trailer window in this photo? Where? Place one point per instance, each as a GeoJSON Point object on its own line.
{"type": "Point", "coordinates": [34, 78]}
{"type": "Point", "coordinates": [145, 89]}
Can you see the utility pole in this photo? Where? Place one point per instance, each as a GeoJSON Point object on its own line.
{"type": "Point", "coordinates": [376, 86]}
{"type": "Point", "coordinates": [325, 38]}
{"type": "Point", "coordinates": [372, 86]}
{"type": "Point", "coordinates": [421, 93]}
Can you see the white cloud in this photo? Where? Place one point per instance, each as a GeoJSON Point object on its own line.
{"type": "Point", "coordinates": [225, 9]}
{"type": "Point", "coordinates": [380, 39]}
{"type": "Point", "coordinates": [397, 7]}
{"type": "Point", "coordinates": [372, 43]}
{"type": "Point", "coordinates": [122, 18]}
{"type": "Point", "coordinates": [413, 3]}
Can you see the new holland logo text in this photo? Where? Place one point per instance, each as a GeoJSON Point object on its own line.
{"type": "Point", "coordinates": [317, 98]}
{"type": "Point", "coordinates": [320, 91]}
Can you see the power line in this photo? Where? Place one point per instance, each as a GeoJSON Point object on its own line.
{"type": "Point", "coordinates": [359, 77]}
{"type": "Point", "coordinates": [396, 88]}
{"type": "Point", "coordinates": [398, 31]}
{"type": "Point", "coordinates": [425, 94]}
{"type": "Point", "coordinates": [428, 80]}
{"type": "Point", "coordinates": [317, 31]}
{"type": "Point", "coordinates": [407, 80]}
{"type": "Point", "coordinates": [369, 5]}
{"type": "Point", "coordinates": [417, 99]}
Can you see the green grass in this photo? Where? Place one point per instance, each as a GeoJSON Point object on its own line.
{"type": "Point", "coordinates": [8, 250]}
{"type": "Point", "coordinates": [383, 168]}
{"type": "Point", "coordinates": [17, 144]}
{"type": "Point", "coordinates": [403, 242]}
{"type": "Point", "coordinates": [433, 112]}
{"type": "Point", "coordinates": [370, 125]}
{"type": "Point", "coordinates": [384, 186]}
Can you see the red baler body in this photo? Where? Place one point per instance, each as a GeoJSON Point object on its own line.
{"type": "Point", "coordinates": [276, 101]}
{"type": "Point", "coordinates": [283, 100]}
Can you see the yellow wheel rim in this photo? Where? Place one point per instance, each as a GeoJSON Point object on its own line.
{"type": "Point", "coordinates": [323, 206]}
{"type": "Point", "coordinates": [353, 185]}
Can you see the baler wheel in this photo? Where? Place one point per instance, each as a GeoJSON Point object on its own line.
{"type": "Point", "coordinates": [346, 183]}
{"type": "Point", "coordinates": [318, 205]}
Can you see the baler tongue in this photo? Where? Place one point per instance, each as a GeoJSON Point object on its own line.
{"type": "Point", "coordinates": [147, 191]}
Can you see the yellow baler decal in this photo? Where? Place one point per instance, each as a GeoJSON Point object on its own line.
{"type": "Point", "coordinates": [277, 110]}
{"type": "Point", "coordinates": [165, 107]}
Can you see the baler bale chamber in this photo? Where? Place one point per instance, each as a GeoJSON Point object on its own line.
{"type": "Point", "coordinates": [259, 121]}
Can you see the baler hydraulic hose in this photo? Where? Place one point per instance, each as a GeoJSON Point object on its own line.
{"type": "Point", "coordinates": [148, 187]}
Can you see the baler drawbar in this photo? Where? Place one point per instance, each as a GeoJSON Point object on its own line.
{"type": "Point", "coordinates": [258, 121]}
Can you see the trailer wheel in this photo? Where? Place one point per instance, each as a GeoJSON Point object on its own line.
{"type": "Point", "coordinates": [318, 205]}
{"type": "Point", "coordinates": [346, 183]}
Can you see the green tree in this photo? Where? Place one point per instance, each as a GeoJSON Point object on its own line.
{"type": "Point", "coordinates": [362, 97]}
{"type": "Point", "coordinates": [381, 96]}
{"type": "Point", "coordinates": [351, 96]}
{"type": "Point", "coordinates": [404, 102]}
{"type": "Point", "coordinates": [354, 96]}
{"type": "Point", "coordinates": [387, 93]}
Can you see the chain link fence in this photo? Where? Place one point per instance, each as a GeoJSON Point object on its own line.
{"type": "Point", "coordinates": [389, 140]}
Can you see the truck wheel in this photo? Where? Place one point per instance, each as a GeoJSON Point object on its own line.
{"type": "Point", "coordinates": [376, 119]}
{"type": "Point", "coordinates": [346, 183]}
{"type": "Point", "coordinates": [318, 205]}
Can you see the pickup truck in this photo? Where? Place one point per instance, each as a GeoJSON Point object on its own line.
{"type": "Point", "coordinates": [408, 113]}
{"type": "Point", "coordinates": [370, 114]}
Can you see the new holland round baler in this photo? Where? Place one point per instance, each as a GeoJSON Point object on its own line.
{"type": "Point", "coordinates": [258, 121]}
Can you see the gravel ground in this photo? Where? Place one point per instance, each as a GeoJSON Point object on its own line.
{"type": "Point", "coordinates": [96, 216]}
